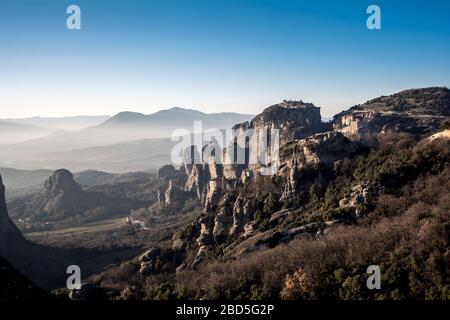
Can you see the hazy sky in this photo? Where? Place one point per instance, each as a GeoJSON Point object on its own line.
{"type": "Point", "coordinates": [214, 55]}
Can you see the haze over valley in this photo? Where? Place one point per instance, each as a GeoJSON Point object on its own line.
{"type": "Point", "coordinates": [246, 150]}
{"type": "Point", "coordinates": [128, 141]}
{"type": "Point", "coordinates": [121, 210]}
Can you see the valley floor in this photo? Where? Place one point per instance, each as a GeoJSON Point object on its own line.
{"type": "Point", "coordinates": [97, 226]}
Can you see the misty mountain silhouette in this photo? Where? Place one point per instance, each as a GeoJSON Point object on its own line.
{"type": "Point", "coordinates": [123, 128]}
{"type": "Point", "coordinates": [173, 118]}
{"type": "Point", "coordinates": [11, 133]}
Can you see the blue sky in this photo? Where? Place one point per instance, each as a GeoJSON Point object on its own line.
{"type": "Point", "coordinates": [215, 55]}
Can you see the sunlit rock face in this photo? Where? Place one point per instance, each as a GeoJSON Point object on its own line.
{"type": "Point", "coordinates": [227, 214]}
{"type": "Point", "coordinates": [221, 170]}
{"type": "Point", "coordinates": [173, 193]}
{"type": "Point", "coordinates": [415, 111]}
{"type": "Point", "coordinates": [293, 119]}
{"type": "Point", "coordinates": [321, 148]}
{"type": "Point", "coordinates": [304, 141]}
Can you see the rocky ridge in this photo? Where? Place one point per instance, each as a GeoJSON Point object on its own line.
{"type": "Point", "coordinates": [415, 111]}
{"type": "Point", "coordinates": [234, 212]}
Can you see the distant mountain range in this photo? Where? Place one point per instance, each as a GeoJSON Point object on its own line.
{"type": "Point", "coordinates": [140, 155]}
{"type": "Point", "coordinates": [83, 131]}
{"type": "Point", "coordinates": [174, 116]}
{"type": "Point", "coordinates": [11, 133]}
{"type": "Point", "coordinates": [60, 123]}
{"type": "Point", "coordinates": [127, 126]}
{"type": "Point", "coordinates": [126, 137]}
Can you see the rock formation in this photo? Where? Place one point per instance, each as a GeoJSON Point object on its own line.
{"type": "Point", "coordinates": [196, 180]}
{"type": "Point", "coordinates": [294, 119]}
{"type": "Point", "coordinates": [62, 198]}
{"type": "Point", "coordinates": [416, 111]}
{"type": "Point", "coordinates": [148, 260]}
{"type": "Point", "coordinates": [360, 195]}
{"type": "Point", "coordinates": [227, 215]}
{"type": "Point", "coordinates": [321, 148]}
{"type": "Point", "coordinates": [10, 236]}
{"type": "Point", "coordinates": [304, 142]}
{"type": "Point", "coordinates": [62, 194]}
{"type": "Point", "coordinates": [226, 187]}
{"type": "Point", "coordinates": [291, 186]}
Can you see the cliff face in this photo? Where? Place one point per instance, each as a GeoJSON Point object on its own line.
{"type": "Point", "coordinates": [62, 194]}
{"type": "Point", "coordinates": [294, 119]}
{"type": "Point", "coordinates": [229, 212]}
{"type": "Point", "coordinates": [417, 111]}
{"type": "Point", "coordinates": [240, 206]}
{"type": "Point", "coordinates": [10, 236]}
{"type": "Point", "coordinates": [322, 148]}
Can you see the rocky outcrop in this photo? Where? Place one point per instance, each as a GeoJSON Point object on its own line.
{"type": "Point", "coordinates": [416, 111]}
{"type": "Point", "coordinates": [223, 219]}
{"type": "Point", "coordinates": [322, 148]}
{"type": "Point", "coordinates": [202, 253]}
{"type": "Point", "coordinates": [148, 260]}
{"type": "Point", "coordinates": [62, 198]}
{"type": "Point", "coordinates": [360, 195]}
{"type": "Point", "coordinates": [214, 181]}
{"type": "Point", "coordinates": [443, 135]}
{"type": "Point", "coordinates": [221, 222]}
{"type": "Point", "coordinates": [173, 193]}
{"type": "Point", "coordinates": [238, 217]}
{"type": "Point", "coordinates": [270, 238]}
{"type": "Point", "coordinates": [61, 194]}
{"type": "Point", "coordinates": [294, 120]}
{"type": "Point", "coordinates": [206, 225]}
{"type": "Point", "coordinates": [291, 187]}
{"type": "Point", "coordinates": [160, 198]}
{"type": "Point", "coordinates": [169, 173]}
{"type": "Point", "coordinates": [196, 180]}
{"type": "Point", "coordinates": [242, 215]}
{"type": "Point", "coordinates": [214, 191]}
{"type": "Point", "coordinates": [246, 211]}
